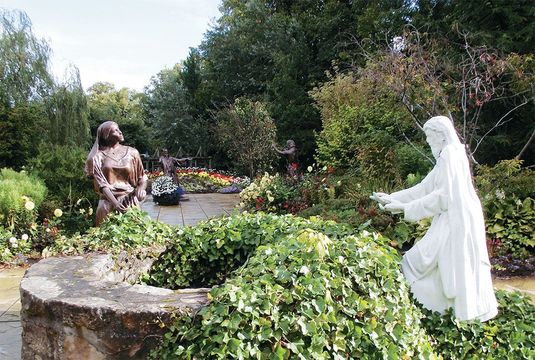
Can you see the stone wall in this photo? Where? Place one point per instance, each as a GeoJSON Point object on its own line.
{"type": "Point", "coordinates": [83, 308]}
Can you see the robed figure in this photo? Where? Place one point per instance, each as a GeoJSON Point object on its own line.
{"type": "Point", "coordinates": [449, 266]}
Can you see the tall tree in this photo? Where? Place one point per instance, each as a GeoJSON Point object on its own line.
{"type": "Point", "coordinates": [247, 132]}
{"type": "Point", "coordinates": [24, 81]}
{"type": "Point", "coordinates": [123, 106]}
{"type": "Point", "coordinates": [280, 50]}
{"type": "Point", "coordinates": [167, 105]}
{"type": "Point", "coordinates": [23, 60]}
{"type": "Point", "coordinates": [68, 112]}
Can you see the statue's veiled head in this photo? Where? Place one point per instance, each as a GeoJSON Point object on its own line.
{"type": "Point", "coordinates": [440, 132]}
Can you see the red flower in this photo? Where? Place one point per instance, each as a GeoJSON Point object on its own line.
{"type": "Point", "coordinates": [330, 170]}
{"type": "Point", "coordinates": [294, 166]}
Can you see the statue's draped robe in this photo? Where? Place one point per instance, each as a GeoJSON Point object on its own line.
{"type": "Point", "coordinates": [121, 176]}
{"type": "Point", "coordinates": [449, 266]}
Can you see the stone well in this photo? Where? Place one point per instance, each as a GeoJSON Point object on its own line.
{"type": "Point", "coordinates": [85, 308]}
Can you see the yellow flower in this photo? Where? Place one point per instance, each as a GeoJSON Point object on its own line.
{"type": "Point", "coordinates": [90, 211]}
{"type": "Point", "coordinates": [270, 198]}
{"type": "Point", "coordinates": [58, 213]}
{"type": "Point", "coordinates": [29, 205]}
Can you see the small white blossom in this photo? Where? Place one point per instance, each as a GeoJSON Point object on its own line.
{"type": "Point", "coordinates": [24, 237]}
{"type": "Point", "coordinates": [29, 205]}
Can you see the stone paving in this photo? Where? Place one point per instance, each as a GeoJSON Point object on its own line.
{"type": "Point", "coordinates": [194, 208]}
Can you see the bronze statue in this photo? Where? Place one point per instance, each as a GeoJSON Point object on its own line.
{"type": "Point", "coordinates": [168, 164]}
{"type": "Point", "coordinates": [290, 151]}
{"type": "Point", "coordinates": [117, 172]}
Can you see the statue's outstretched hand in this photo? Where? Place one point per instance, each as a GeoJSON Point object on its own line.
{"type": "Point", "coordinates": [395, 207]}
{"type": "Point", "coordinates": [381, 198]}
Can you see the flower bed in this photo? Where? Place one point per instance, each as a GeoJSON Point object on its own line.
{"type": "Point", "coordinates": [201, 180]}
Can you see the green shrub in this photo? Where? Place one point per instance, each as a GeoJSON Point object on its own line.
{"type": "Point", "coordinates": [271, 193]}
{"type": "Point", "coordinates": [509, 335]}
{"type": "Point", "coordinates": [365, 130]}
{"type": "Point", "coordinates": [11, 245]}
{"type": "Point", "coordinates": [306, 296]}
{"type": "Point", "coordinates": [62, 169]}
{"type": "Point", "coordinates": [507, 193]}
{"type": "Point", "coordinates": [131, 231]}
{"type": "Point", "coordinates": [20, 196]}
{"type": "Point", "coordinates": [206, 254]}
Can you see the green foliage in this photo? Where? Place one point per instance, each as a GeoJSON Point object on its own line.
{"type": "Point", "coordinates": [132, 231]}
{"type": "Point", "coordinates": [365, 128]}
{"type": "Point", "coordinates": [247, 131]}
{"type": "Point", "coordinates": [20, 132]}
{"type": "Point", "coordinates": [207, 253]}
{"type": "Point", "coordinates": [507, 193]}
{"type": "Point", "coordinates": [20, 196]}
{"type": "Point", "coordinates": [168, 108]}
{"type": "Point", "coordinates": [11, 246]}
{"type": "Point", "coordinates": [509, 335]}
{"type": "Point", "coordinates": [68, 113]}
{"type": "Point", "coordinates": [123, 106]}
{"type": "Point", "coordinates": [23, 60]}
{"type": "Point", "coordinates": [62, 169]}
{"type": "Point", "coordinates": [268, 193]}
{"type": "Point", "coordinates": [309, 297]}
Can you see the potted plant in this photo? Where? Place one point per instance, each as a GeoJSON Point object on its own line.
{"type": "Point", "coordinates": [165, 191]}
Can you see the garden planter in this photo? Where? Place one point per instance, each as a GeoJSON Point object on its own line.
{"type": "Point", "coordinates": [167, 199]}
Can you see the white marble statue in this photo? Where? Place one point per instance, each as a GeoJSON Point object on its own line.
{"type": "Point", "coordinates": [449, 266]}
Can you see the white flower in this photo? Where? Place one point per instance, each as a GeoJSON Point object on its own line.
{"type": "Point", "coordinates": [324, 168]}
{"type": "Point", "coordinates": [270, 198]}
{"type": "Point", "coordinates": [82, 211]}
{"type": "Point", "coordinates": [29, 205]}
{"type": "Point", "coordinates": [163, 185]}
{"type": "Point", "coordinates": [58, 213]}
{"type": "Point", "coordinates": [518, 202]}
{"type": "Point", "coordinates": [500, 194]}
{"type": "Point", "coordinates": [309, 169]}
{"type": "Point", "coordinates": [339, 182]}
{"type": "Point", "coordinates": [304, 270]}
{"type": "Point", "coordinates": [13, 240]}
{"type": "Point", "coordinates": [90, 211]}
{"type": "Point", "coordinates": [24, 237]}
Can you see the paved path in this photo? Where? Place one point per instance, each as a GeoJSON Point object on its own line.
{"type": "Point", "coordinates": [10, 330]}
{"type": "Point", "coordinates": [197, 207]}
{"type": "Point", "coordinates": [194, 208]}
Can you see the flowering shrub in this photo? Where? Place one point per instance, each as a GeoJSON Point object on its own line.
{"type": "Point", "coordinates": [11, 245]}
{"type": "Point", "coordinates": [268, 193]}
{"type": "Point", "coordinates": [20, 196]}
{"type": "Point", "coordinates": [163, 185]}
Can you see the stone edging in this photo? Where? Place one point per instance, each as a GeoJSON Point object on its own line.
{"type": "Point", "coordinates": [82, 308]}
